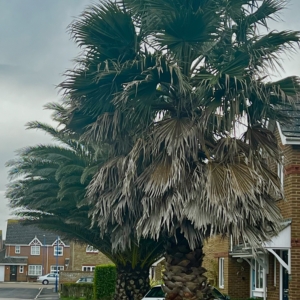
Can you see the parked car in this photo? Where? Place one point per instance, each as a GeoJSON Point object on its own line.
{"type": "Point", "coordinates": [48, 278]}
{"type": "Point", "coordinates": [157, 293]}
{"type": "Point", "coordinates": [85, 280]}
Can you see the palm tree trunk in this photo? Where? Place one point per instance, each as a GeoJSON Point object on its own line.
{"type": "Point", "coordinates": [183, 276]}
{"type": "Point", "coordinates": [132, 284]}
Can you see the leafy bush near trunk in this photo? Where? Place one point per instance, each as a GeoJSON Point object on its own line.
{"type": "Point", "coordinates": [77, 290]}
{"type": "Point", "coordinates": [105, 277]}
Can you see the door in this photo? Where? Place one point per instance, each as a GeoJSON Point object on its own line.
{"type": "Point", "coordinates": [13, 273]}
{"type": "Point", "coordinates": [285, 277]}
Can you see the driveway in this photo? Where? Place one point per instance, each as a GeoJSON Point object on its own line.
{"type": "Point", "coordinates": [23, 291]}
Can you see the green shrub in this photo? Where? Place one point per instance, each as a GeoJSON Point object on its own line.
{"type": "Point", "coordinates": [77, 290]}
{"type": "Point", "coordinates": [105, 277]}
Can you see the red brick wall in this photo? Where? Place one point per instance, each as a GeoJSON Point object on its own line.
{"type": "Point", "coordinates": [46, 259]}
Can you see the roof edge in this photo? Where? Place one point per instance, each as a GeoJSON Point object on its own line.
{"type": "Point", "coordinates": [287, 140]}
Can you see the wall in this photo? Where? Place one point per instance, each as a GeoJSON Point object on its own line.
{"type": "Point", "coordinates": [79, 257]}
{"type": "Point", "coordinates": [273, 287]}
{"type": "Point", "coordinates": [46, 257]}
{"type": "Point", "coordinates": [236, 275]}
{"type": "Point", "coordinates": [73, 276]}
{"type": "Point", "coordinates": [290, 209]}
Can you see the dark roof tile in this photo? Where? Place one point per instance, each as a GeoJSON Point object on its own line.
{"type": "Point", "coordinates": [19, 234]}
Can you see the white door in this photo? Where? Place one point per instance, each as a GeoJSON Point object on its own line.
{"type": "Point", "coordinates": [2, 268]}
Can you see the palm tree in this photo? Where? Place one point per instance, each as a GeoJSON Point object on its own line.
{"type": "Point", "coordinates": [168, 85]}
{"type": "Point", "coordinates": [49, 190]}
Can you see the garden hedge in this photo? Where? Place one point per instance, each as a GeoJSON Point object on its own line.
{"type": "Point", "coordinates": [105, 277]}
{"type": "Point", "coordinates": [77, 290]}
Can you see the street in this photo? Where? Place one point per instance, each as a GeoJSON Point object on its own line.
{"type": "Point", "coordinates": [24, 290]}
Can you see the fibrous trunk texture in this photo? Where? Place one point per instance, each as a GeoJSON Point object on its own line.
{"type": "Point", "coordinates": [184, 275]}
{"type": "Point", "coordinates": [132, 284]}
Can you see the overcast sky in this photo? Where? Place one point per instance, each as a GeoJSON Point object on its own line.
{"type": "Point", "coordinates": [35, 50]}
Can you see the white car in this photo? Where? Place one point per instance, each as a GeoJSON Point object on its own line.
{"type": "Point", "coordinates": [48, 278]}
{"type": "Point", "coordinates": [85, 280]}
{"type": "Point", "coordinates": [156, 292]}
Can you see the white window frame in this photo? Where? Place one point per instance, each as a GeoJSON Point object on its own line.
{"type": "Point", "coordinates": [259, 274]}
{"type": "Point", "coordinates": [21, 269]}
{"type": "Point", "coordinates": [60, 251]}
{"type": "Point", "coordinates": [221, 272]}
{"type": "Point", "coordinates": [91, 249]}
{"type": "Point", "coordinates": [88, 268]}
{"type": "Point", "coordinates": [17, 249]}
{"type": "Point", "coordinates": [35, 250]}
{"type": "Point", "coordinates": [37, 270]}
{"type": "Point", "coordinates": [53, 268]}
{"type": "Point", "coordinates": [280, 172]}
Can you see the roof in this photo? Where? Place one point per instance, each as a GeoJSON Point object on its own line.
{"type": "Point", "coordinates": [290, 132]}
{"type": "Point", "coordinates": [11, 260]}
{"type": "Point", "coordinates": [280, 241]}
{"type": "Point", "coordinates": [19, 234]}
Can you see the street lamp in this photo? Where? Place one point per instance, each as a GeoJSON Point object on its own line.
{"type": "Point", "coordinates": [56, 275]}
{"type": "Point", "coordinates": [44, 252]}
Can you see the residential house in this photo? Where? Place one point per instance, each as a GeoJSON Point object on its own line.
{"type": "Point", "coordinates": [30, 251]}
{"type": "Point", "coordinates": [83, 260]}
{"type": "Point", "coordinates": [85, 257]}
{"type": "Point", "coordinates": [274, 271]}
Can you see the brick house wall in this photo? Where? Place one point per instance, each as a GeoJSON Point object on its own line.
{"type": "Point", "coordinates": [21, 277]}
{"type": "Point", "coordinates": [236, 275]}
{"type": "Point", "coordinates": [273, 287]}
{"type": "Point", "coordinates": [290, 208]}
{"type": "Point", "coordinates": [46, 257]}
{"type": "Point", "coordinates": [79, 257]}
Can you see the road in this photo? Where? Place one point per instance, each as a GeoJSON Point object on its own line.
{"type": "Point", "coordinates": [23, 291]}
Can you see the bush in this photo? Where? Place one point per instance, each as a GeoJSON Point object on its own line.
{"type": "Point", "coordinates": [77, 290]}
{"type": "Point", "coordinates": [105, 277]}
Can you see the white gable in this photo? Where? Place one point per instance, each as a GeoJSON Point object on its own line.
{"type": "Point", "coordinates": [35, 242]}
{"type": "Point", "coordinates": [60, 242]}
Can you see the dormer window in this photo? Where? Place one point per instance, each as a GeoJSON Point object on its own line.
{"type": "Point", "coordinates": [58, 251]}
{"type": "Point", "coordinates": [35, 246]}
{"type": "Point", "coordinates": [35, 250]}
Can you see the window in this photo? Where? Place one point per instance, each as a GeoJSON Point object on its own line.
{"type": "Point", "coordinates": [280, 172]}
{"type": "Point", "coordinates": [21, 269]}
{"type": "Point", "coordinates": [17, 249]}
{"type": "Point", "coordinates": [88, 268]}
{"type": "Point", "coordinates": [221, 272]}
{"type": "Point", "coordinates": [259, 276]}
{"type": "Point", "coordinates": [91, 249]}
{"type": "Point", "coordinates": [53, 268]}
{"type": "Point", "coordinates": [35, 250]}
{"type": "Point", "coordinates": [34, 270]}
{"type": "Point", "coordinates": [58, 251]}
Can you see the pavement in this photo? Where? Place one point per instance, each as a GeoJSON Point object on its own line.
{"type": "Point", "coordinates": [27, 290]}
